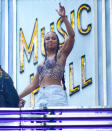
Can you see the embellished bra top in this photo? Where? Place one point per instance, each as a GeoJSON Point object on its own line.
{"type": "Point", "coordinates": [51, 68]}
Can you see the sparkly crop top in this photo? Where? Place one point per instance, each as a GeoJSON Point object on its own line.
{"type": "Point", "coordinates": [51, 68]}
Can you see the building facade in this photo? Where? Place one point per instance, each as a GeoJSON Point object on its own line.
{"type": "Point", "coordinates": [88, 71]}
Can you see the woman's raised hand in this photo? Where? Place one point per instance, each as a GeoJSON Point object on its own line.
{"type": "Point", "coordinates": [61, 10]}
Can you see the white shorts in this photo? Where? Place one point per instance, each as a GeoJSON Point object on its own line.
{"type": "Point", "coordinates": [51, 96]}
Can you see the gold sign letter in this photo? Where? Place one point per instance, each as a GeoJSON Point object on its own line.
{"type": "Point", "coordinates": [84, 81]}
{"type": "Point", "coordinates": [72, 88]}
{"type": "Point", "coordinates": [81, 30]}
{"type": "Point", "coordinates": [42, 40]}
{"type": "Point", "coordinates": [72, 19]}
{"type": "Point", "coordinates": [33, 92]}
{"type": "Point", "coordinates": [60, 30]}
{"type": "Point", "coordinates": [52, 26]}
{"type": "Point", "coordinates": [28, 49]}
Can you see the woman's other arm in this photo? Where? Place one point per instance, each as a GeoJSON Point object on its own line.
{"type": "Point", "coordinates": [30, 87]}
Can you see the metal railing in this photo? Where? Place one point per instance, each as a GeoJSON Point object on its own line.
{"type": "Point", "coordinates": [55, 118]}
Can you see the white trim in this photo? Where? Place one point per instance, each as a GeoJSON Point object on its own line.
{"type": "Point", "coordinates": [104, 53]}
{"type": "Point", "coordinates": [6, 36]}
{"type": "Point", "coordinates": [14, 42]}
{"type": "Point", "coordinates": [96, 53]}
{"type": "Point", "coordinates": [0, 6]}
{"type": "Point", "coordinates": [111, 42]}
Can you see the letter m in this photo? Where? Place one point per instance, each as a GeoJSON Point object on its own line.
{"type": "Point", "coordinates": [28, 49]}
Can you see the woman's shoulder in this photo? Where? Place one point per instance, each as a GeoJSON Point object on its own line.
{"type": "Point", "coordinates": [40, 66]}
{"type": "Point", "coordinates": [41, 63]}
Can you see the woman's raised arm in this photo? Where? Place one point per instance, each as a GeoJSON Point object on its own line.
{"type": "Point", "coordinates": [69, 41]}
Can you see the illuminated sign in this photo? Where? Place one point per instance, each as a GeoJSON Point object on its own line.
{"type": "Point", "coordinates": [28, 50]}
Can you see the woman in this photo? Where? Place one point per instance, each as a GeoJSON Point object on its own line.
{"type": "Point", "coordinates": [50, 72]}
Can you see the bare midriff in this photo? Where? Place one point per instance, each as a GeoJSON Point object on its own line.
{"type": "Point", "coordinates": [49, 81]}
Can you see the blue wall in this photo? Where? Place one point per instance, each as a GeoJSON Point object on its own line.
{"type": "Point", "coordinates": [10, 35]}
{"type": "Point", "coordinates": [10, 38]}
{"type": "Point", "coordinates": [2, 32]}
